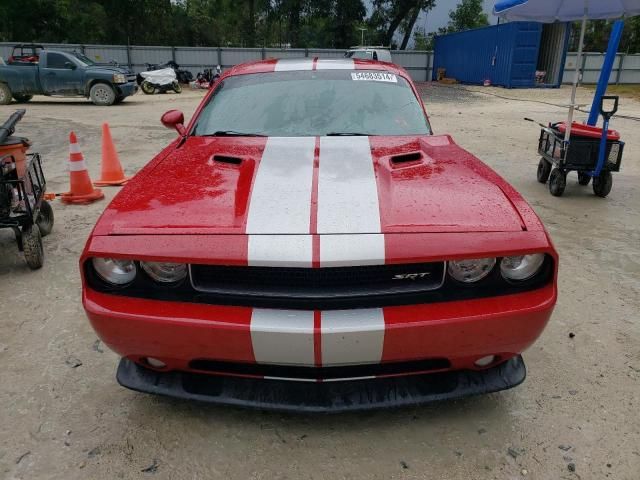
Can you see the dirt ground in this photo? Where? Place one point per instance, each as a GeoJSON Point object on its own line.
{"type": "Point", "coordinates": [63, 416]}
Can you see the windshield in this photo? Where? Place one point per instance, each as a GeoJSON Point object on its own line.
{"type": "Point", "coordinates": [313, 103]}
{"type": "Point", "coordinates": [83, 59]}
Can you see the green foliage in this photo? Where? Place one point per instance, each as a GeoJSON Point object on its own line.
{"type": "Point", "coordinates": [422, 40]}
{"type": "Point", "coordinates": [467, 15]}
{"type": "Point", "coordinates": [390, 16]}
{"type": "Point", "coordinates": [597, 35]}
{"type": "Point", "coordinates": [246, 23]}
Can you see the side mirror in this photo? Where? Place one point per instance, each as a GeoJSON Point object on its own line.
{"type": "Point", "coordinates": [70, 66]}
{"type": "Point", "coordinates": [174, 119]}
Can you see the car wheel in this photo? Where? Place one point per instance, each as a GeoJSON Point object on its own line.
{"type": "Point", "coordinates": [5, 94]}
{"type": "Point", "coordinates": [22, 98]}
{"type": "Point", "coordinates": [544, 168]}
{"type": "Point", "coordinates": [584, 178]}
{"type": "Point", "coordinates": [177, 87]}
{"type": "Point", "coordinates": [602, 184]}
{"type": "Point", "coordinates": [32, 246]}
{"type": "Point", "coordinates": [557, 182]}
{"type": "Point", "coordinates": [102, 94]}
{"type": "Point", "coordinates": [45, 218]}
{"type": "Point", "coordinates": [147, 88]}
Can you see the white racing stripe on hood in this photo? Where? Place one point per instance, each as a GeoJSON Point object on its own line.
{"type": "Point", "coordinates": [348, 205]}
{"type": "Point", "coordinates": [347, 187]}
{"type": "Point", "coordinates": [281, 195]}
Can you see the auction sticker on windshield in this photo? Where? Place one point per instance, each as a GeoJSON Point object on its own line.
{"type": "Point", "coordinates": [374, 76]}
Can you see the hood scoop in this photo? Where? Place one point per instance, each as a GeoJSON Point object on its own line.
{"type": "Point", "coordinates": [229, 160]}
{"type": "Point", "coordinates": [406, 159]}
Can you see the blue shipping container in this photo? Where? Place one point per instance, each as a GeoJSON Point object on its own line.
{"type": "Point", "coordinates": [509, 54]}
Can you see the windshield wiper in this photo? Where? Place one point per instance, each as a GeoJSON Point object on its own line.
{"type": "Point", "coordinates": [232, 133]}
{"type": "Point", "coordinates": [346, 134]}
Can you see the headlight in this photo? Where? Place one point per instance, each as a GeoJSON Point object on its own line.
{"type": "Point", "coordinates": [119, 78]}
{"type": "Point", "coordinates": [115, 271]}
{"type": "Point", "coordinates": [470, 271]}
{"type": "Point", "coordinates": [165, 272]}
{"type": "Point", "coordinates": [521, 267]}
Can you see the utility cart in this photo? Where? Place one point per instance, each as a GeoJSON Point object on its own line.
{"type": "Point", "coordinates": [23, 207]}
{"type": "Point", "coordinates": [592, 152]}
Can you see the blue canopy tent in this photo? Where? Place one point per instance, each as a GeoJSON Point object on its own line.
{"type": "Point", "coordinates": [549, 11]}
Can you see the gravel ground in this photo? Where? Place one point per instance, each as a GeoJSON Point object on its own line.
{"type": "Point", "coordinates": [575, 417]}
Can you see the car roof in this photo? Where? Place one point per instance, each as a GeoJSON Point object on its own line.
{"type": "Point", "coordinates": [299, 64]}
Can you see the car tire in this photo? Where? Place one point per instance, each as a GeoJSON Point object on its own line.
{"type": "Point", "coordinates": [45, 218]}
{"type": "Point", "coordinates": [5, 94]}
{"type": "Point", "coordinates": [557, 182]}
{"type": "Point", "coordinates": [22, 98]}
{"type": "Point", "coordinates": [602, 184]}
{"type": "Point", "coordinates": [544, 169]}
{"type": "Point", "coordinates": [584, 178]}
{"type": "Point", "coordinates": [147, 88]}
{"type": "Point", "coordinates": [102, 94]}
{"type": "Point", "coordinates": [177, 87]}
{"type": "Point", "coordinates": [32, 246]}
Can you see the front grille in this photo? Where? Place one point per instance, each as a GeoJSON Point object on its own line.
{"type": "Point", "coordinates": [318, 284]}
{"type": "Point", "coordinates": [336, 288]}
{"type": "Point", "coordinates": [347, 372]}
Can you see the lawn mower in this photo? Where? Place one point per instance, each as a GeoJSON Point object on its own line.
{"type": "Point", "coordinates": [23, 207]}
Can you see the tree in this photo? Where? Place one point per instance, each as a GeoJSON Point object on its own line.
{"type": "Point", "coordinates": [598, 32]}
{"type": "Point", "coordinates": [422, 40]}
{"type": "Point", "coordinates": [388, 16]}
{"type": "Point", "coordinates": [467, 15]}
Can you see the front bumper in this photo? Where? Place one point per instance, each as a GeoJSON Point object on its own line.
{"type": "Point", "coordinates": [127, 89]}
{"type": "Point", "coordinates": [329, 397]}
{"type": "Point", "coordinates": [180, 333]}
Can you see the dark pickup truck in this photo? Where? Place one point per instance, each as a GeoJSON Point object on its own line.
{"type": "Point", "coordinates": [64, 74]}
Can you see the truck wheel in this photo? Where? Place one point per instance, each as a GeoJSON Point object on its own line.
{"type": "Point", "coordinates": [45, 218]}
{"type": "Point", "coordinates": [22, 98]}
{"type": "Point", "coordinates": [147, 88]}
{"type": "Point", "coordinates": [602, 184]}
{"type": "Point", "coordinates": [32, 246]}
{"type": "Point", "coordinates": [557, 182]}
{"type": "Point", "coordinates": [544, 169]}
{"type": "Point", "coordinates": [5, 94]}
{"type": "Point", "coordinates": [102, 94]}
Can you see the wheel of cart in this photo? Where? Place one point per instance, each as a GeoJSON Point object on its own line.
{"type": "Point", "coordinates": [594, 153]}
{"type": "Point", "coordinates": [22, 188]}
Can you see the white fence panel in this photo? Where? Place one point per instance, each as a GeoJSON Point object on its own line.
{"type": "Point", "coordinates": [419, 64]}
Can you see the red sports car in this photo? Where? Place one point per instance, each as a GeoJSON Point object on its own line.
{"type": "Point", "coordinates": [307, 243]}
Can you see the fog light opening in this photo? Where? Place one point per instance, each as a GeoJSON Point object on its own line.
{"type": "Point", "coordinates": [485, 361]}
{"type": "Point", "coordinates": [154, 362]}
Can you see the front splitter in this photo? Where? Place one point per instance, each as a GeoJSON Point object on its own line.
{"type": "Point", "coordinates": [325, 397]}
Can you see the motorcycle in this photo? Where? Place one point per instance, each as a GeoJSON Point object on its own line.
{"type": "Point", "coordinates": [159, 81]}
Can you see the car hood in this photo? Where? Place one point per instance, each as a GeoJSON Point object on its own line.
{"type": "Point", "coordinates": [325, 185]}
{"type": "Point", "coordinates": [108, 69]}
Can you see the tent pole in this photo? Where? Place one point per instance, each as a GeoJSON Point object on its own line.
{"type": "Point", "coordinates": [605, 73]}
{"type": "Point", "coordinates": [576, 79]}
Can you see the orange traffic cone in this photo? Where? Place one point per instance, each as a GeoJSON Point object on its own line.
{"type": "Point", "coordinates": [82, 190]}
{"type": "Point", "coordinates": [112, 173]}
